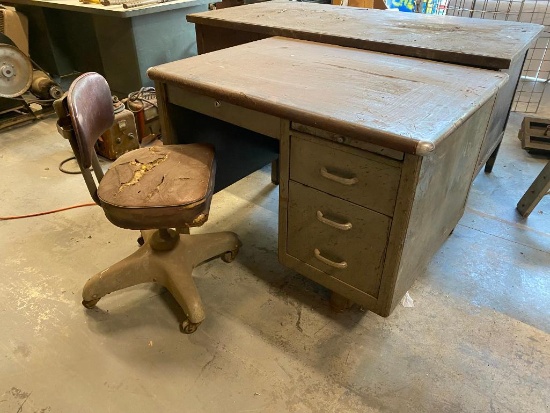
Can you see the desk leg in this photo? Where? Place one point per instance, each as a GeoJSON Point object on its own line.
{"type": "Point", "coordinates": [275, 172]}
{"type": "Point", "coordinates": [166, 125]}
{"type": "Point", "coordinates": [491, 161]}
{"type": "Point", "coordinates": [499, 116]}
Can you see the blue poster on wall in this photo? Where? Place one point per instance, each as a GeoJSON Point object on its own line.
{"type": "Point", "coordinates": [424, 6]}
{"type": "Point", "coordinates": [402, 5]}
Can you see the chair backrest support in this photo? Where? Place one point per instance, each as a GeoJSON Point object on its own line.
{"type": "Point", "coordinates": [90, 107]}
{"type": "Point", "coordinates": [85, 113]}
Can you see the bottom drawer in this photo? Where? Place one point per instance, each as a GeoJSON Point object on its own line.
{"type": "Point", "coordinates": [341, 239]}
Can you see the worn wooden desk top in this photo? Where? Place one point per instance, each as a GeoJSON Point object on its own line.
{"type": "Point", "coordinates": [490, 44]}
{"type": "Point", "coordinates": [398, 102]}
{"type": "Point", "coordinates": [113, 11]}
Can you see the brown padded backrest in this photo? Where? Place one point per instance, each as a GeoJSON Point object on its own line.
{"type": "Point", "coordinates": [91, 108]}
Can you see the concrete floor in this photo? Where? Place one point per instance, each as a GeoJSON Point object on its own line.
{"type": "Point", "coordinates": [476, 340]}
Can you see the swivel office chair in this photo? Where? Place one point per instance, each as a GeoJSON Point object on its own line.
{"type": "Point", "coordinates": [161, 191]}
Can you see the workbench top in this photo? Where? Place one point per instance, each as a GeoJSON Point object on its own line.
{"type": "Point", "coordinates": [490, 44]}
{"type": "Point", "coordinates": [401, 103]}
{"type": "Point", "coordinates": [113, 11]}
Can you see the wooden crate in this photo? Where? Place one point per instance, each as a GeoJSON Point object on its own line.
{"type": "Point", "coordinates": [535, 133]}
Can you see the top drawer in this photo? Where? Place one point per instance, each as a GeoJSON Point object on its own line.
{"type": "Point", "coordinates": [255, 121]}
{"type": "Point", "coordinates": [360, 177]}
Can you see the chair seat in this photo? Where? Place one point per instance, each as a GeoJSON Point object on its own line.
{"type": "Point", "coordinates": [159, 187]}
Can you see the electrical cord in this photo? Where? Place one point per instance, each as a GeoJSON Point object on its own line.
{"type": "Point", "coordinates": [102, 159]}
{"type": "Point", "coordinates": [9, 218]}
{"type": "Point", "coordinates": [143, 94]}
{"type": "Point", "coordinates": [63, 162]}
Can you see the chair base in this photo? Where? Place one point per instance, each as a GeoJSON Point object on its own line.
{"type": "Point", "coordinates": [171, 268]}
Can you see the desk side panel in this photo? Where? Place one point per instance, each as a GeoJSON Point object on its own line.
{"type": "Point", "coordinates": [128, 47]}
{"type": "Point", "coordinates": [440, 197]}
{"type": "Point", "coordinates": [212, 38]}
{"type": "Point", "coordinates": [62, 42]}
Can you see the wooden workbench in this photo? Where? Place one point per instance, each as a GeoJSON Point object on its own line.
{"type": "Point", "coordinates": [377, 151]}
{"type": "Point", "coordinates": [489, 44]}
{"type": "Point", "coordinates": [68, 36]}
{"type": "Point", "coordinates": [111, 11]}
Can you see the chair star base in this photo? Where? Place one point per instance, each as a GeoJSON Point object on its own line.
{"type": "Point", "coordinates": [171, 268]}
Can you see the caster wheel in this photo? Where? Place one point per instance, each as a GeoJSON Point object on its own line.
{"type": "Point", "coordinates": [229, 256]}
{"type": "Point", "coordinates": [140, 241]}
{"type": "Point", "coordinates": [90, 304]}
{"type": "Point", "coordinates": [189, 328]}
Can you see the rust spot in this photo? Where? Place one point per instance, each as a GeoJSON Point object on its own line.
{"type": "Point", "coordinates": [201, 219]}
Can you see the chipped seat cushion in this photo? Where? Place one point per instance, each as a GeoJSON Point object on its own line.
{"type": "Point", "coordinates": [159, 187]}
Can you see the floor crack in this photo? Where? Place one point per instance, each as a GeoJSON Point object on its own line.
{"type": "Point", "coordinates": [24, 401]}
{"type": "Point", "coordinates": [298, 326]}
{"type": "Point", "coordinates": [205, 366]}
{"type": "Point", "coordinates": [504, 238]}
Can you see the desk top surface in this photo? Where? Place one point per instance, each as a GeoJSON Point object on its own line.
{"type": "Point", "coordinates": [491, 44]}
{"type": "Point", "coordinates": [402, 103]}
{"type": "Point", "coordinates": [114, 11]}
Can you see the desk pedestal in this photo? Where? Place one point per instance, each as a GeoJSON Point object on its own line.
{"type": "Point", "coordinates": [365, 224]}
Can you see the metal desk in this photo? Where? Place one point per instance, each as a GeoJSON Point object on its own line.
{"type": "Point", "coordinates": [489, 44]}
{"type": "Point", "coordinates": [68, 36]}
{"type": "Point", "coordinates": [376, 162]}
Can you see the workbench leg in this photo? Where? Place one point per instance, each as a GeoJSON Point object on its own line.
{"type": "Point", "coordinates": [491, 161]}
{"type": "Point", "coordinates": [275, 171]}
{"type": "Point", "coordinates": [539, 188]}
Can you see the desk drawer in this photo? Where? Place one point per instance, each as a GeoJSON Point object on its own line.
{"type": "Point", "coordinates": [341, 239]}
{"type": "Point", "coordinates": [260, 122]}
{"type": "Point", "coordinates": [346, 140]}
{"type": "Point", "coordinates": [363, 178]}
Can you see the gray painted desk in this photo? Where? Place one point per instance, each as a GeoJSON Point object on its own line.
{"type": "Point", "coordinates": [489, 44]}
{"type": "Point", "coordinates": [67, 36]}
{"type": "Point", "coordinates": [376, 163]}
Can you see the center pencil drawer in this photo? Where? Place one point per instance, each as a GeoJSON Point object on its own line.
{"type": "Point", "coordinates": [341, 239]}
{"type": "Point", "coordinates": [358, 176]}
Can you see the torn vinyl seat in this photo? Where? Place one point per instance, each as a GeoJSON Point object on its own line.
{"type": "Point", "coordinates": [161, 191]}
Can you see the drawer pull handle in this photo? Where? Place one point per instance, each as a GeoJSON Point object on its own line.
{"type": "Point", "coordinates": [341, 180]}
{"type": "Point", "coordinates": [337, 225]}
{"type": "Point", "coordinates": [340, 265]}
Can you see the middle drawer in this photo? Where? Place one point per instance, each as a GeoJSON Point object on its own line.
{"type": "Point", "coordinates": [341, 239]}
